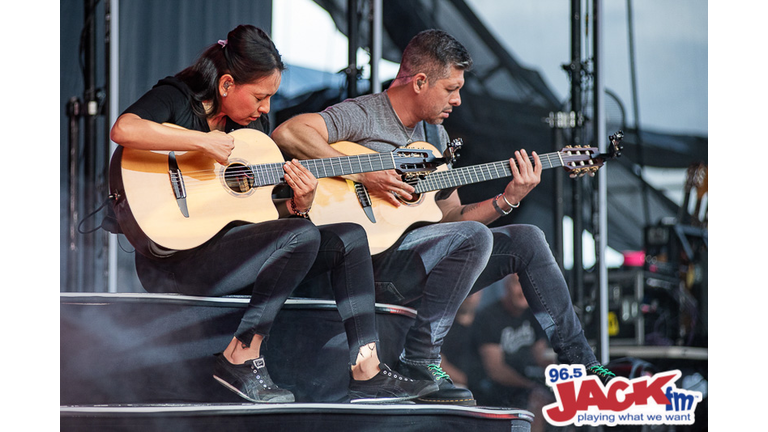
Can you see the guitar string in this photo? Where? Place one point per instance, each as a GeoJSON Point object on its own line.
{"type": "Point", "coordinates": [271, 173]}
{"type": "Point", "coordinates": [478, 173]}
{"type": "Point", "coordinates": [335, 166]}
{"type": "Point", "coordinates": [339, 162]}
{"type": "Point", "coordinates": [269, 169]}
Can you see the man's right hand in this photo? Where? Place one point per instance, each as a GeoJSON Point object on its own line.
{"type": "Point", "coordinates": [386, 185]}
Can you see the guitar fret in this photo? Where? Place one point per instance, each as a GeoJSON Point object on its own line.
{"type": "Point", "coordinates": [257, 175]}
{"type": "Point", "coordinates": [478, 173]}
{"type": "Point", "coordinates": [273, 173]}
{"type": "Point", "coordinates": [344, 165]}
{"type": "Point", "coordinates": [462, 176]}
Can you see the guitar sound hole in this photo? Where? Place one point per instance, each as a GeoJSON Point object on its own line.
{"type": "Point", "coordinates": [414, 200]}
{"type": "Point", "coordinates": [238, 178]}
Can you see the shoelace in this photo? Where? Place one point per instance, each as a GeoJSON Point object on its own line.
{"type": "Point", "coordinates": [438, 372]}
{"type": "Point", "coordinates": [394, 375]}
{"type": "Point", "coordinates": [259, 368]}
{"type": "Point", "coordinates": [601, 371]}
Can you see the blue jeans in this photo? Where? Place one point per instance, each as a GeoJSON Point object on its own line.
{"type": "Point", "coordinates": [523, 249]}
{"type": "Point", "coordinates": [431, 269]}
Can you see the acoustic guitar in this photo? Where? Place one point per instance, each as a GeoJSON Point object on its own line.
{"type": "Point", "coordinates": [179, 200]}
{"type": "Point", "coordinates": [340, 200]}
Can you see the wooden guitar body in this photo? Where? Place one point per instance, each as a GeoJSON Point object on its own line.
{"type": "Point", "coordinates": [337, 201]}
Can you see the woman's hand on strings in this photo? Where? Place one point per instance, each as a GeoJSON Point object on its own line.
{"type": "Point", "coordinates": [303, 183]}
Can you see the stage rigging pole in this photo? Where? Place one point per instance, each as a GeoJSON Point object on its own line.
{"type": "Point", "coordinates": [89, 146]}
{"type": "Point", "coordinates": [577, 278]}
{"type": "Point", "coordinates": [353, 38]}
{"type": "Point", "coordinates": [601, 235]}
{"type": "Point", "coordinates": [113, 40]}
{"type": "Point", "coordinates": [74, 108]}
{"type": "Point", "coordinates": [376, 26]}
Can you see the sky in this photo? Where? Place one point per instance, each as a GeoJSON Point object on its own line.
{"type": "Point", "coordinates": [670, 62]}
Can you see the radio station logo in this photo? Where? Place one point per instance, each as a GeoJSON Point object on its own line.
{"type": "Point", "coordinates": [583, 400]}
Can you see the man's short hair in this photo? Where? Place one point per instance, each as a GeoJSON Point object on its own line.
{"type": "Point", "coordinates": [434, 52]}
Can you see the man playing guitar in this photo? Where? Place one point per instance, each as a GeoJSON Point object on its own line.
{"type": "Point", "coordinates": [434, 267]}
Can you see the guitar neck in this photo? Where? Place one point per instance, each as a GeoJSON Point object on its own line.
{"type": "Point", "coordinates": [272, 174]}
{"type": "Point", "coordinates": [478, 173]}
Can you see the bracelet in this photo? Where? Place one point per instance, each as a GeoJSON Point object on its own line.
{"type": "Point", "coordinates": [304, 214]}
{"type": "Point", "coordinates": [497, 208]}
{"type": "Point", "coordinates": [510, 205]}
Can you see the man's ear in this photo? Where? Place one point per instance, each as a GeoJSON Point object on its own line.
{"type": "Point", "coordinates": [419, 80]}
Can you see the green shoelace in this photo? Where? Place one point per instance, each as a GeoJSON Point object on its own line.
{"type": "Point", "coordinates": [600, 370]}
{"type": "Point", "coordinates": [438, 372]}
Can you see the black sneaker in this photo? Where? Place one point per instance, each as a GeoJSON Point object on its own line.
{"type": "Point", "coordinates": [601, 372]}
{"type": "Point", "coordinates": [447, 393]}
{"type": "Point", "coordinates": [250, 381]}
{"type": "Point", "coordinates": [388, 386]}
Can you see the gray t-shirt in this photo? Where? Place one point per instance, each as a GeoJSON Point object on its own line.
{"type": "Point", "coordinates": [371, 122]}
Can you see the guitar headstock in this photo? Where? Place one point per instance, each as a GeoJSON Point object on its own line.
{"type": "Point", "coordinates": [451, 152]}
{"type": "Point", "coordinates": [587, 160]}
{"type": "Point", "coordinates": [615, 147]}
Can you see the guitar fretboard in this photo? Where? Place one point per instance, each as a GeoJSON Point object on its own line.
{"type": "Point", "coordinates": [272, 173]}
{"type": "Point", "coordinates": [478, 173]}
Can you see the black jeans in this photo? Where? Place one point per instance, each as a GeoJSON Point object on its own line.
{"type": "Point", "coordinates": [523, 249]}
{"type": "Point", "coordinates": [345, 259]}
{"type": "Point", "coordinates": [431, 269]}
{"type": "Point", "coordinates": [267, 261]}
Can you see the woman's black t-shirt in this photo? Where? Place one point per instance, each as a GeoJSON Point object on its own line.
{"type": "Point", "coordinates": [171, 101]}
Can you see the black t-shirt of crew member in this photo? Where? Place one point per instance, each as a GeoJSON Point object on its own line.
{"type": "Point", "coordinates": [516, 335]}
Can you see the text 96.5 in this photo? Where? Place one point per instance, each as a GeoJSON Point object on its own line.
{"type": "Point", "coordinates": [561, 373]}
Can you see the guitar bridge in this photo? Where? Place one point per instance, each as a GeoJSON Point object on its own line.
{"type": "Point", "coordinates": [365, 201]}
{"type": "Point", "coordinates": [177, 184]}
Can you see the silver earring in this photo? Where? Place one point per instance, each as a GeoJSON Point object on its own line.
{"type": "Point", "coordinates": [225, 95]}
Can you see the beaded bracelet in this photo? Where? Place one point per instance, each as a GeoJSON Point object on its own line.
{"type": "Point", "coordinates": [304, 214]}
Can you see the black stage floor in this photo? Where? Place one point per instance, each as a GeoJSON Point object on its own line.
{"type": "Point", "coordinates": [296, 417]}
{"type": "Point", "coordinates": [143, 362]}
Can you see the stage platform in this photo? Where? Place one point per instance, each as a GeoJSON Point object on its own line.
{"type": "Point", "coordinates": [296, 417]}
{"type": "Point", "coordinates": [143, 362]}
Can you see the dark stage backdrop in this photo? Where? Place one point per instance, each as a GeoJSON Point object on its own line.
{"type": "Point", "coordinates": [156, 39]}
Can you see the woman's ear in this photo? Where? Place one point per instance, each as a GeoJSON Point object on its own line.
{"type": "Point", "coordinates": [225, 82]}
